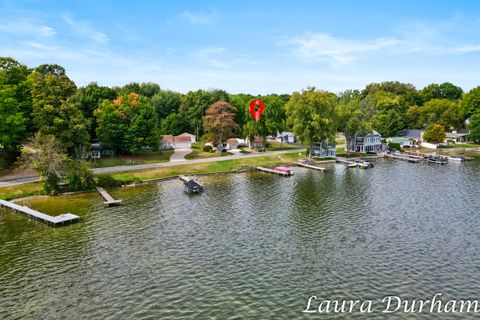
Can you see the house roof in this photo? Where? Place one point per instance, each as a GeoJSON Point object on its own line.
{"type": "Point", "coordinates": [167, 138]}
{"type": "Point", "coordinates": [455, 134]}
{"type": "Point", "coordinates": [186, 134]}
{"type": "Point", "coordinates": [232, 141]}
{"type": "Point", "coordinates": [182, 138]}
{"type": "Point", "coordinates": [412, 133]}
{"type": "Point", "coordinates": [284, 133]}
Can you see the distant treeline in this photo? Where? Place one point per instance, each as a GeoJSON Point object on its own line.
{"type": "Point", "coordinates": [44, 99]}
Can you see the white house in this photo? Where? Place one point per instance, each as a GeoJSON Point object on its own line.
{"type": "Point", "coordinates": [403, 141]}
{"type": "Point", "coordinates": [193, 139]}
{"type": "Point", "coordinates": [176, 142]}
{"type": "Point", "coordinates": [458, 137]}
{"type": "Point", "coordinates": [370, 142]}
{"type": "Point", "coordinates": [285, 137]}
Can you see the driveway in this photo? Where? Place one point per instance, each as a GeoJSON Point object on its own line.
{"type": "Point", "coordinates": [179, 154]}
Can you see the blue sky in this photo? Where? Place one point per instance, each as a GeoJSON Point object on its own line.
{"type": "Point", "coordinates": [256, 47]}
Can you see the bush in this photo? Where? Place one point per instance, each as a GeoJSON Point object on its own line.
{"type": "Point", "coordinates": [79, 176]}
{"type": "Point", "coordinates": [108, 181]}
{"type": "Point", "coordinates": [394, 145]}
{"type": "Point", "coordinates": [207, 148]}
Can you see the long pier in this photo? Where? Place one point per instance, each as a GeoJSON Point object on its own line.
{"type": "Point", "coordinates": [282, 173]}
{"type": "Point", "coordinates": [62, 219]}
{"type": "Point", "coordinates": [301, 164]}
{"type": "Point", "coordinates": [403, 157]}
{"type": "Point", "coordinates": [109, 201]}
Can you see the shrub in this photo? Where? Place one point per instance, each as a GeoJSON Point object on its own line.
{"type": "Point", "coordinates": [207, 148]}
{"type": "Point", "coordinates": [394, 145]}
{"type": "Point", "coordinates": [79, 176]}
{"type": "Point", "coordinates": [108, 181]}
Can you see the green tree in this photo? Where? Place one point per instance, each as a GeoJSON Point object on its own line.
{"type": "Point", "coordinates": [174, 124]}
{"type": "Point", "coordinates": [445, 90]}
{"type": "Point", "coordinates": [435, 133]}
{"type": "Point", "coordinates": [443, 111]}
{"type": "Point", "coordinates": [470, 102]}
{"type": "Point", "coordinates": [388, 124]}
{"type": "Point", "coordinates": [89, 99]}
{"type": "Point", "coordinates": [143, 130]}
{"type": "Point", "coordinates": [12, 121]}
{"type": "Point", "coordinates": [166, 102]}
{"type": "Point", "coordinates": [147, 89]}
{"type": "Point", "coordinates": [194, 104]}
{"type": "Point", "coordinates": [46, 155]}
{"type": "Point", "coordinates": [127, 124]}
{"type": "Point", "coordinates": [219, 122]}
{"type": "Point", "coordinates": [474, 127]}
{"type": "Point", "coordinates": [54, 113]}
{"type": "Point", "coordinates": [312, 115]}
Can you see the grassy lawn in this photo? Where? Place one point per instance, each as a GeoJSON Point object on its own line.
{"type": "Point", "coordinates": [21, 190]}
{"type": "Point", "coordinates": [277, 146]}
{"type": "Point", "coordinates": [139, 158]}
{"type": "Point", "coordinates": [213, 167]}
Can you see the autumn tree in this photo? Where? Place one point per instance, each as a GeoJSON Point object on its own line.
{"type": "Point", "coordinates": [219, 122]}
{"type": "Point", "coordinates": [435, 133]}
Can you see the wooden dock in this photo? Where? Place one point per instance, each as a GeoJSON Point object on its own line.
{"type": "Point", "coordinates": [282, 173]}
{"type": "Point", "coordinates": [403, 157]}
{"type": "Point", "coordinates": [62, 219]}
{"type": "Point", "coordinates": [301, 164]}
{"type": "Point", "coordinates": [109, 201]}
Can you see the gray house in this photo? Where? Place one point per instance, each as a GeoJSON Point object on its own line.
{"type": "Point", "coordinates": [369, 142]}
{"type": "Point", "coordinates": [323, 150]}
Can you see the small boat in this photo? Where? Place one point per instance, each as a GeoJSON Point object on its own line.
{"type": "Point", "coordinates": [437, 159]}
{"type": "Point", "coordinates": [353, 165]}
{"type": "Point", "coordinates": [459, 158]}
{"type": "Point", "coordinates": [284, 169]}
{"type": "Point", "coordinates": [192, 187]}
{"type": "Point", "coordinates": [364, 164]}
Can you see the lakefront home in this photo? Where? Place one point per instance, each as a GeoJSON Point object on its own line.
{"type": "Point", "coordinates": [176, 142]}
{"type": "Point", "coordinates": [459, 137]}
{"type": "Point", "coordinates": [285, 137]}
{"type": "Point", "coordinates": [255, 143]}
{"type": "Point", "coordinates": [404, 142]}
{"type": "Point", "coordinates": [323, 150]}
{"type": "Point", "coordinates": [369, 142]}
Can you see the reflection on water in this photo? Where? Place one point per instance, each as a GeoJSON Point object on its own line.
{"type": "Point", "coordinates": [253, 246]}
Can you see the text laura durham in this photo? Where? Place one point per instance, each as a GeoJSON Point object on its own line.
{"type": "Point", "coordinates": [391, 304]}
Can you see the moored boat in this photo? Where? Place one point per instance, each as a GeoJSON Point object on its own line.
{"type": "Point", "coordinates": [437, 159]}
{"type": "Point", "coordinates": [284, 169]}
{"type": "Point", "coordinates": [459, 158]}
{"type": "Point", "coordinates": [192, 187]}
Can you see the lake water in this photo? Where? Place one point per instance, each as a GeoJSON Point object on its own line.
{"type": "Point", "coordinates": [253, 246]}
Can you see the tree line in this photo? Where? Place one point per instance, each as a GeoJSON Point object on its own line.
{"type": "Point", "coordinates": [45, 101]}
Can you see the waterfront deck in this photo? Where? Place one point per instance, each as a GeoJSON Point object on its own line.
{"type": "Point", "coordinates": [301, 164]}
{"type": "Point", "coordinates": [62, 219]}
{"type": "Point", "coordinates": [109, 201]}
{"type": "Point", "coordinates": [282, 173]}
{"type": "Point", "coordinates": [413, 159]}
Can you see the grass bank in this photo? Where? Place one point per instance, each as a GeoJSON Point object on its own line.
{"type": "Point", "coordinates": [35, 188]}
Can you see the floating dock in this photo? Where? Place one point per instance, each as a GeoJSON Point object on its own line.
{"type": "Point", "coordinates": [301, 164]}
{"type": "Point", "coordinates": [109, 201]}
{"type": "Point", "coordinates": [403, 157]}
{"type": "Point", "coordinates": [282, 173]}
{"type": "Point", "coordinates": [62, 219]}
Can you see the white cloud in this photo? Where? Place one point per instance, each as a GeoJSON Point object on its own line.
{"type": "Point", "coordinates": [197, 17]}
{"type": "Point", "coordinates": [322, 46]}
{"type": "Point", "coordinates": [84, 28]}
{"type": "Point", "coordinates": [211, 56]}
{"type": "Point", "coordinates": [27, 27]}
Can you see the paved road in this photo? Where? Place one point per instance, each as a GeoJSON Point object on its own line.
{"type": "Point", "coordinates": [4, 183]}
{"type": "Point", "coordinates": [179, 154]}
